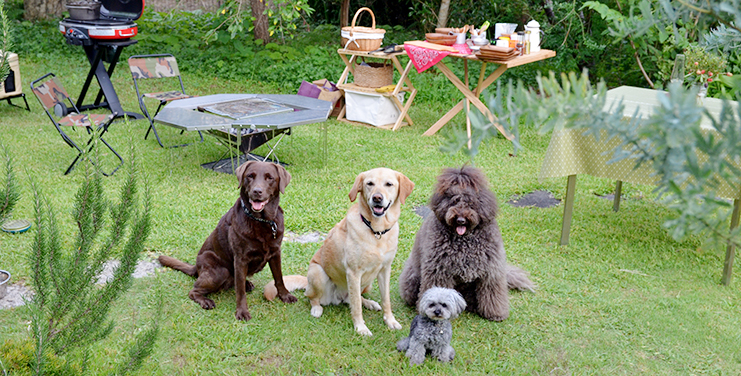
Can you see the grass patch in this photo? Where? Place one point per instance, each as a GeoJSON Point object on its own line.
{"type": "Point", "coordinates": [622, 298]}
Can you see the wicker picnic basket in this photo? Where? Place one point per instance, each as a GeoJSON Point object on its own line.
{"type": "Point", "coordinates": [373, 74]}
{"type": "Point", "coordinates": [361, 38]}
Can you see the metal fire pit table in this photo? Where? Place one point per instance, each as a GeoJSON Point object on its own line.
{"type": "Point", "coordinates": [244, 133]}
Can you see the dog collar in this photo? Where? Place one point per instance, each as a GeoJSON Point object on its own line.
{"type": "Point", "coordinates": [272, 224]}
{"type": "Point", "coordinates": [377, 234]}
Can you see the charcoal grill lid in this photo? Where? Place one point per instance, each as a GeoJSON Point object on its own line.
{"type": "Point", "coordinates": [121, 9]}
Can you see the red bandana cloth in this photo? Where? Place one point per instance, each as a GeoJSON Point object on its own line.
{"type": "Point", "coordinates": [424, 58]}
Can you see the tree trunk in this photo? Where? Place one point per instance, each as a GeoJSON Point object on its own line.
{"type": "Point", "coordinates": [345, 13]}
{"type": "Point", "coordinates": [42, 9]}
{"type": "Point", "coordinates": [442, 17]}
{"type": "Point", "coordinates": [548, 7]}
{"type": "Point", "coordinates": [261, 20]}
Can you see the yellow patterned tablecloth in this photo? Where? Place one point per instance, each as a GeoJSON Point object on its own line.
{"type": "Point", "coordinates": [570, 152]}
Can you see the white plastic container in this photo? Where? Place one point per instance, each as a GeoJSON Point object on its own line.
{"type": "Point", "coordinates": [374, 109]}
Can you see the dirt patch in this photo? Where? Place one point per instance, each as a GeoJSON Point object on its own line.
{"type": "Point", "coordinates": [180, 361]}
{"type": "Point", "coordinates": [423, 211]}
{"type": "Point", "coordinates": [14, 296]}
{"type": "Point", "coordinates": [16, 293]}
{"type": "Point", "coordinates": [144, 268]}
{"type": "Point", "coordinates": [312, 237]}
{"type": "Point", "coordinates": [538, 199]}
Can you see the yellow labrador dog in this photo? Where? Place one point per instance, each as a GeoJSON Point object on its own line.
{"type": "Point", "coordinates": [359, 249]}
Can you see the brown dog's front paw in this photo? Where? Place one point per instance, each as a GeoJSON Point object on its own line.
{"type": "Point", "coordinates": [288, 298]}
{"type": "Point", "coordinates": [248, 286]}
{"type": "Point", "coordinates": [243, 314]}
{"type": "Point", "coordinates": [207, 303]}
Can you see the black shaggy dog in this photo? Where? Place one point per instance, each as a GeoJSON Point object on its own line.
{"type": "Point", "coordinates": [460, 247]}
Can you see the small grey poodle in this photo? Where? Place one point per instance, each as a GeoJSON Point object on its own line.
{"type": "Point", "coordinates": [431, 331]}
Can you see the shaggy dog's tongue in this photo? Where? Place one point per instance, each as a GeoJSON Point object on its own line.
{"type": "Point", "coordinates": [257, 206]}
{"type": "Point", "coordinates": [460, 230]}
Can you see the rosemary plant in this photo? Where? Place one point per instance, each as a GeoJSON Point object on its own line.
{"type": "Point", "coordinates": [69, 310]}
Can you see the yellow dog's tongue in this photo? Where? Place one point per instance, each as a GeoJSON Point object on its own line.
{"type": "Point", "coordinates": [460, 230]}
{"type": "Point", "coordinates": [258, 206]}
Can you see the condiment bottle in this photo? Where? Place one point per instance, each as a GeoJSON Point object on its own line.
{"type": "Point", "coordinates": [520, 42]}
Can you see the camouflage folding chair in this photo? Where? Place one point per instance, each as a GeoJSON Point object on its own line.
{"type": "Point", "coordinates": [52, 97]}
{"type": "Point", "coordinates": [157, 66]}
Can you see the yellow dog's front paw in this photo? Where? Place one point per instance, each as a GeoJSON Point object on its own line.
{"type": "Point", "coordinates": [392, 323]}
{"type": "Point", "coordinates": [363, 330]}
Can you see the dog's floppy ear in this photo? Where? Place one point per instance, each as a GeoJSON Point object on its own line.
{"type": "Point", "coordinates": [405, 187]}
{"type": "Point", "coordinates": [459, 304]}
{"type": "Point", "coordinates": [240, 171]}
{"type": "Point", "coordinates": [285, 177]}
{"type": "Point", "coordinates": [357, 187]}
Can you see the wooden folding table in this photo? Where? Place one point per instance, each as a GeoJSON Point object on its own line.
{"type": "Point", "coordinates": [472, 96]}
{"type": "Point", "coordinates": [403, 84]}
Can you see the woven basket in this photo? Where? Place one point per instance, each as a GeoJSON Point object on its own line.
{"type": "Point", "coordinates": [374, 75]}
{"type": "Point", "coordinates": [361, 38]}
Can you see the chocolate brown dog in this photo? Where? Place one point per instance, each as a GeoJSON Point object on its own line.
{"type": "Point", "coordinates": [247, 237]}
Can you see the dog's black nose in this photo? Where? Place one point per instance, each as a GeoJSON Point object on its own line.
{"type": "Point", "coordinates": [438, 312]}
{"type": "Point", "coordinates": [377, 198]}
{"type": "Point", "coordinates": [461, 221]}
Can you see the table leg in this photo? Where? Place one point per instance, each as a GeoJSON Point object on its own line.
{"type": "Point", "coordinates": [452, 112]}
{"type": "Point", "coordinates": [444, 120]}
{"type": "Point", "coordinates": [568, 207]}
{"type": "Point", "coordinates": [325, 128]}
{"type": "Point", "coordinates": [731, 249]}
{"type": "Point", "coordinates": [348, 68]}
{"type": "Point", "coordinates": [405, 111]}
{"type": "Point", "coordinates": [492, 77]}
{"type": "Point", "coordinates": [473, 98]}
{"type": "Point", "coordinates": [343, 78]}
{"type": "Point", "coordinates": [341, 115]}
{"type": "Point", "coordinates": [618, 194]}
{"type": "Point", "coordinates": [239, 143]}
{"type": "Point", "coordinates": [468, 124]}
{"type": "Point", "coordinates": [482, 73]}
{"type": "Point", "coordinates": [404, 108]}
{"type": "Point", "coordinates": [468, 104]}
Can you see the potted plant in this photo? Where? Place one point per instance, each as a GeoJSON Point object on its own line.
{"type": "Point", "coordinates": [704, 70]}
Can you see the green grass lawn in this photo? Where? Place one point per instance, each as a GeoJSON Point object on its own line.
{"type": "Point", "coordinates": [622, 298]}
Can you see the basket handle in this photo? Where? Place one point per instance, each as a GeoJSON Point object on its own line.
{"type": "Point", "coordinates": [373, 17]}
{"type": "Point", "coordinates": [358, 63]}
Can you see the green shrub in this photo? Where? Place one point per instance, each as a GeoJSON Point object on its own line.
{"type": "Point", "coordinates": [18, 357]}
